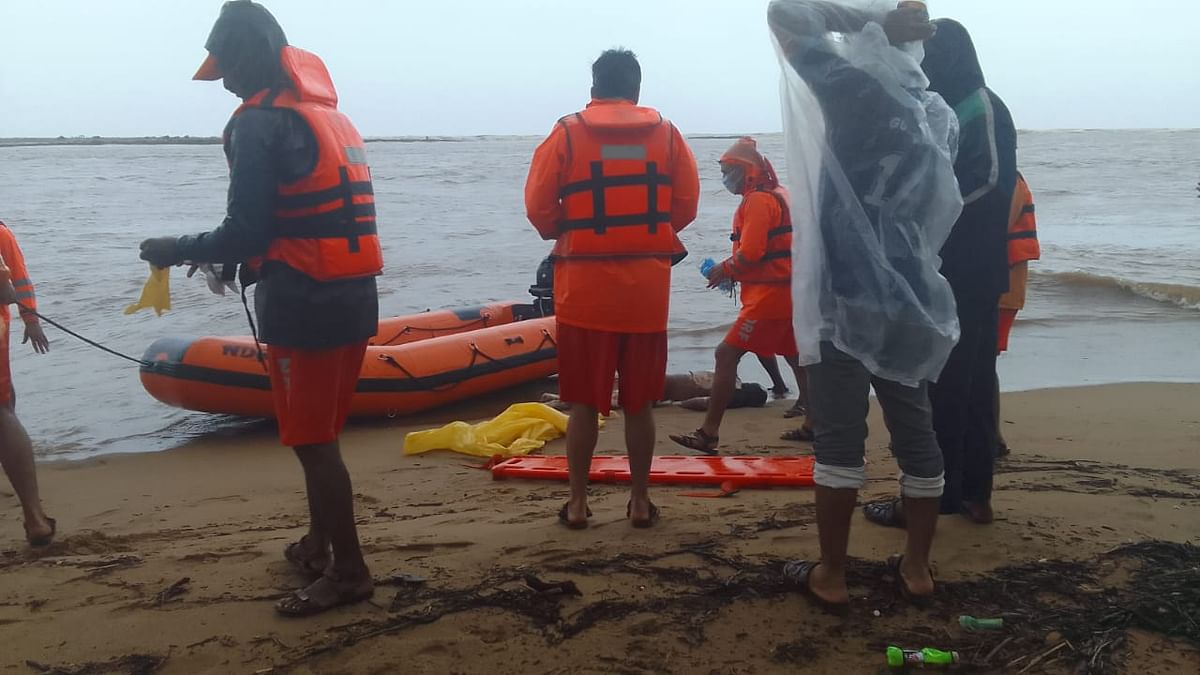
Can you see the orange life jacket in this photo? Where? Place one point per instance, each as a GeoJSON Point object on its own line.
{"type": "Point", "coordinates": [324, 223]}
{"type": "Point", "coordinates": [617, 192]}
{"type": "Point", "coordinates": [1022, 245]}
{"type": "Point", "coordinates": [775, 267]}
{"type": "Point", "coordinates": [1022, 226]}
{"type": "Point", "coordinates": [19, 275]}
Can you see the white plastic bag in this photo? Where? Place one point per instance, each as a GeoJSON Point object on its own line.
{"type": "Point", "coordinates": [874, 196]}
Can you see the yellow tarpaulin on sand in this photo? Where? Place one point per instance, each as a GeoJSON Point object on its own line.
{"type": "Point", "coordinates": [518, 431]}
{"type": "Point", "coordinates": [156, 294]}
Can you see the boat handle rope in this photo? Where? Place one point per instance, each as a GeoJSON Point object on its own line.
{"type": "Point", "coordinates": [475, 354]}
{"type": "Point", "coordinates": [481, 321]}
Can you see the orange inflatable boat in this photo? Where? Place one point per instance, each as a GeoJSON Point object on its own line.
{"type": "Point", "coordinates": [415, 363]}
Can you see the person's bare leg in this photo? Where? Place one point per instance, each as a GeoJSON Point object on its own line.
{"type": "Point", "coordinates": [724, 381]}
{"type": "Point", "coordinates": [16, 457]}
{"type": "Point", "coordinates": [921, 516]}
{"type": "Point", "coordinates": [771, 365]}
{"type": "Point", "coordinates": [315, 544]}
{"type": "Point", "coordinates": [331, 502]}
{"type": "Point", "coordinates": [639, 443]}
{"type": "Point", "coordinates": [583, 429]}
{"type": "Point", "coordinates": [801, 380]}
{"type": "Point", "coordinates": [835, 508]}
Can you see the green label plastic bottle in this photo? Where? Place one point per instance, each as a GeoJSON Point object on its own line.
{"type": "Point", "coordinates": [925, 658]}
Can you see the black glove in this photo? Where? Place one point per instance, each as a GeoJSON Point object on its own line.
{"type": "Point", "coordinates": [161, 251]}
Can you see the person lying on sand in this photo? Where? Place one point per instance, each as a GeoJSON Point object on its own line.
{"type": "Point", "coordinates": [689, 391]}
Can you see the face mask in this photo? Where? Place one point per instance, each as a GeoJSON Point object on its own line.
{"type": "Point", "coordinates": [734, 180]}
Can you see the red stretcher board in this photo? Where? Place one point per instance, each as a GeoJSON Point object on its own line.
{"type": "Point", "coordinates": [742, 472]}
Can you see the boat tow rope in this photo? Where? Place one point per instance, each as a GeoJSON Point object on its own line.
{"type": "Point", "coordinates": [93, 343]}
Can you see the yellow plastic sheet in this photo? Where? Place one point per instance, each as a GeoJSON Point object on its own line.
{"type": "Point", "coordinates": [156, 294]}
{"type": "Point", "coordinates": [518, 431]}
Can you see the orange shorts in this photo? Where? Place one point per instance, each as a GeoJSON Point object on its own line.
{"type": "Point", "coordinates": [6, 382]}
{"type": "Point", "coordinates": [590, 360]}
{"type": "Point", "coordinates": [763, 337]}
{"type": "Point", "coordinates": [312, 389]}
{"type": "Point", "coordinates": [1007, 317]}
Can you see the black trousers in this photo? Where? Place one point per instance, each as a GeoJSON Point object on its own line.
{"type": "Point", "coordinates": [963, 400]}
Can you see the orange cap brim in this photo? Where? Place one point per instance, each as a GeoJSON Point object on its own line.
{"type": "Point", "coordinates": [209, 70]}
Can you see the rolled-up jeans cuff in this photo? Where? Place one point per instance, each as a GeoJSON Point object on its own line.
{"type": "Point", "coordinates": [840, 477]}
{"type": "Point", "coordinates": [922, 488]}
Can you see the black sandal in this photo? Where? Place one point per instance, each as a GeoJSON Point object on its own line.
{"type": "Point", "coordinates": [798, 573]}
{"type": "Point", "coordinates": [324, 594]}
{"type": "Point", "coordinates": [565, 519]}
{"type": "Point", "coordinates": [311, 565]}
{"type": "Point", "coordinates": [46, 539]}
{"type": "Point", "coordinates": [642, 524]}
{"type": "Point", "coordinates": [886, 512]}
{"type": "Point", "coordinates": [797, 410]}
{"type": "Point", "coordinates": [801, 435]}
{"type": "Point", "coordinates": [901, 585]}
{"type": "Point", "coordinates": [699, 441]}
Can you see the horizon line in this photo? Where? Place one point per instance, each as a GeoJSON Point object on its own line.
{"type": "Point", "coordinates": [187, 139]}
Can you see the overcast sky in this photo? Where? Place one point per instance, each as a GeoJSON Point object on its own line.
{"type": "Point", "coordinates": [122, 67]}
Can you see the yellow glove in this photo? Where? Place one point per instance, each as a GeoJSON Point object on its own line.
{"type": "Point", "coordinates": [156, 294]}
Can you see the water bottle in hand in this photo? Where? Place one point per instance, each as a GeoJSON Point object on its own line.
{"type": "Point", "coordinates": [707, 266]}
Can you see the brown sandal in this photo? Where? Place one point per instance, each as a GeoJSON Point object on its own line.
{"type": "Point", "coordinates": [699, 441]}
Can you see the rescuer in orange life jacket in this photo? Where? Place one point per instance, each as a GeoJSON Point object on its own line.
{"type": "Point", "coordinates": [612, 185]}
{"type": "Point", "coordinates": [762, 263]}
{"type": "Point", "coordinates": [301, 212]}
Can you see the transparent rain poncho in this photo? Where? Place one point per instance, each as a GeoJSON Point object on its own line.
{"type": "Point", "coordinates": [870, 168]}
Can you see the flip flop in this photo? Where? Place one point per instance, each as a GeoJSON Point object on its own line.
{"type": "Point", "coordinates": [796, 410]}
{"type": "Point", "coordinates": [46, 539]}
{"type": "Point", "coordinates": [902, 588]}
{"type": "Point", "coordinates": [798, 573]}
{"type": "Point", "coordinates": [564, 518]}
{"type": "Point", "coordinates": [323, 595]}
{"type": "Point", "coordinates": [886, 512]}
{"type": "Point", "coordinates": [642, 524]}
{"type": "Point", "coordinates": [699, 441]}
{"type": "Point", "coordinates": [779, 392]}
{"type": "Point", "coordinates": [801, 435]}
{"type": "Point", "coordinates": [311, 565]}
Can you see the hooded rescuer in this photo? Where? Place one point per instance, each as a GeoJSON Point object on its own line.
{"type": "Point", "coordinates": [301, 220]}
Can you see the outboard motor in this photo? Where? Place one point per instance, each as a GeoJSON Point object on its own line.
{"type": "Point", "coordinates": [543, 289]}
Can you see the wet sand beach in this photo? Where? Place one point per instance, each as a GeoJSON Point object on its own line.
{"type": "Point", "coordinates": [170, 562]}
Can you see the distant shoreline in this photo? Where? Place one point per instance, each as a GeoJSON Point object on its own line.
{"type": "Point", "coordinates": [191, 140]}
{"type": "Point", "coordinates": [216, 140]}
